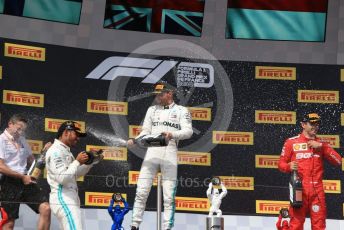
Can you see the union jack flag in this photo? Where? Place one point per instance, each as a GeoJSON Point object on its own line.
{"type": "Point", "coordinates": [160, 16]}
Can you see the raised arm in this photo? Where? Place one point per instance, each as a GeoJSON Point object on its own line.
{"type": "Point", "coordinates": [209, 190]}
{"type": "Point", "coordinates": [110, 208]}
{"type": "Point", "coordinates": [126, 207]}
{"type": "Point", "coordinates": [224, 191]}
{"type": "Point", "coordinates": [83, 170]}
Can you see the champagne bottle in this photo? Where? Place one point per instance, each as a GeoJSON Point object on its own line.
{"type": "Point", "coordinates": [93, 157]}
{"type": "Point", "coordinates": [38, 166]}
{"type": "Point", "coordinates": [152, 140]}
{"type": "Point", "coordinates": [295, 189]}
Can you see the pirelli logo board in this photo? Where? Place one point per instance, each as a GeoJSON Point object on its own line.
{"type": "Point", "coordinates": [270, 206]}
{"type": "Point", "coordinates": [194, 158]}
{"type": "Point", "coordinates": [134, 130]}
{"type": "Point", "coordinates": [100, 199]}
{"type": "Point", "coordinates": [192, 204]}
{"type": "Point", "coordinates": [107, 107]}
{"type": "Point", "coordinates": [238, 183]}
{"type": "Point", "coordinates": [110, 153]}
{"type": "Point", "coordinates": [342, 119]}
{"type": "Point", "coordinates": [333, 140]}
{"type": "Point", "coordinates": [233, 138]}
{"type": "Point", "coordinates": [0, 72]}
{"type": "Point", "coordinates": [342, 75]}
{"type": "Point", "coordinates": [24, 52]}
{"type": "Point", "coordinates": [23, 98]}
{"type": "Point", "coordinates": [332, 186]}
{"type": "Point", "coordinates": [275, 117]}
{"type": "Point", "coordinates": [318, 96]}
{"type": "Point", "coordinates": [275, 73]}
{"type": "Point", "coordinates": [267, 161]}
{"type": "Point", "coordinates": [133, 177]}
{"type": "Point", "coordinates": [52, 124]}
{"type": "Point", "coordinates": [36, 146]}
{"type": "Point", "coordinates": [200, 114]}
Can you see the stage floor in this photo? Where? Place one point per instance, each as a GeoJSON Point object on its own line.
{"type": "Point", "coordinates": [99, 219]}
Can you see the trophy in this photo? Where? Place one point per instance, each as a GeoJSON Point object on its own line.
{"type": "Point", "coordinates": [116, 212]}
{"type": "Point", "coordinates": [284, 213]}
{"type": "Point", "coordinates": [117, 197]}
{"type": "Point", "coordinates": [216, 181]}
{"type": "Point", "coordinates": [94, 157]}
{"type": "Point", "coordinates": [215, 198]}
{"type": "Point", "coordinates": [283, 219]}
{"type": "Point", "coordinates": [155, 140]}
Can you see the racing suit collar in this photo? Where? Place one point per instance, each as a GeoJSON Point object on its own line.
{"type": "Point", "coordinates": [169, 106]}
{"type": "Point", "coordinates": [61, 144]}
{"type": "Point", "coordinates": [306, 138]}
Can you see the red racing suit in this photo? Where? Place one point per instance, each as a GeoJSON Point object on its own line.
{"type": "Point", "coordinates": [310, 170]}
{"type": "Point", "coordinates": [4, 217]}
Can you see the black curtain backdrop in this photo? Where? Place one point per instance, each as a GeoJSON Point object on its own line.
{"type": "Point", "coordinates": [61, 78]}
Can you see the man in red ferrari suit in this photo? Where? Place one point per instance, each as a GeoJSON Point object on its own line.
{"type": "Point", "coordinates": [306, 153]}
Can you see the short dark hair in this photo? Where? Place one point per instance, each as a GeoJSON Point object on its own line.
{"type": "Point", "coordinates": [17, 117]}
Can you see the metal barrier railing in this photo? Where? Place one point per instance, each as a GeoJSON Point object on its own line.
{"type": "Point", "coordinates": [159, 203]}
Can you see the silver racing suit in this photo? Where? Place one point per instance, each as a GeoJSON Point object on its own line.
{"type": "Point", "coordinates": [177, 120]}
{"type": "Point", "coordinates": [62, 173]}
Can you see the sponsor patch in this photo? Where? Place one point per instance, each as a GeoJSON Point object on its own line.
{"type": "Point", "coordinates": [315, 208]}
{"type": "Point", "coordinates": [300, 147]}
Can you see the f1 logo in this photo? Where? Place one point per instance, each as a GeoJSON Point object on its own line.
{"type": "Point", "coordinates": [152, 70]}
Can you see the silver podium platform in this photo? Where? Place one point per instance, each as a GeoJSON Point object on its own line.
{"type": "Point", "coordinates": [215, 223]}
